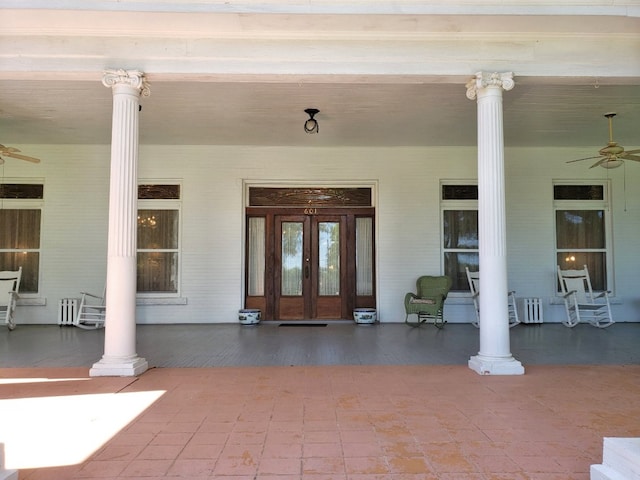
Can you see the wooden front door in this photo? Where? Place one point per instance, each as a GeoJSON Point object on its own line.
{"type": "Point", "coordinates": [310, 267]}
{"type": "Point", "coordinates": [309, 263]}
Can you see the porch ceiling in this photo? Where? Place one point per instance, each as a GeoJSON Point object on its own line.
{"type": "Point", "coordinates": [410, 113]}
{"type": "Point", "coordinates": [378, 80]}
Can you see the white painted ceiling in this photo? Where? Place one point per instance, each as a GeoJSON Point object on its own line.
{"type": "Point", "coordinates": [351, 114]}
{"type": "Point", "coordinates": [378, 80]}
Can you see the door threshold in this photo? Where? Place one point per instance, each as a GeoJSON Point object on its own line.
{"type": "Point", "coordinates": [302, 324]}
{"type": "Point", "coordinates": [307, 323]}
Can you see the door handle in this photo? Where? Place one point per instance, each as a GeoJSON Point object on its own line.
{"type": "Point", "coordinates": [306, 268]}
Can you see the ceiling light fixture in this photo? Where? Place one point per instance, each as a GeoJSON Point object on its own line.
{"type": "Point", "coordinates": [611, 163]}
{"type": "Point", "coordinates": [311, 125]}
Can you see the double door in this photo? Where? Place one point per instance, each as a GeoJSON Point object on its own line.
{"type": "Point", "coordinates": [316, 264]}
{"type": "Point", "coordinates": [310, 274]}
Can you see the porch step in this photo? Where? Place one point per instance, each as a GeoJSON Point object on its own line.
{"type": "Point", "coordinates": [620, 460]}
{"type": "Point", "coordinates": [6, 474]}
{"type": "Point", "coordinates": [602, 472]}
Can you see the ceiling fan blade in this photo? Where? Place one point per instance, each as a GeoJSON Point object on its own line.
{"type": "Point", "coordinates": [631, 152]}
{"type": "Point", "coordinates": [585, 158]}
{"type": "Point", "coordinates": [21, 157]}
{"type": "Point", "coordinates": [600, 162]}
{"type": "Point", "coordinates": [632, 157]}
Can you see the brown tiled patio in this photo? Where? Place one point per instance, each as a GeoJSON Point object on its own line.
{"type": "Point", "coordinates": [319, 422]}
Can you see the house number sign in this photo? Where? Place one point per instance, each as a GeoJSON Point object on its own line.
{"type": "Point", "coordinates": [310, 211]}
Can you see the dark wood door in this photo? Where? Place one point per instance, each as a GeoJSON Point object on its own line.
{"type": "Point", "coordinates": [309, 263]}
{"type": "Point", "coordinates": [310, 280]}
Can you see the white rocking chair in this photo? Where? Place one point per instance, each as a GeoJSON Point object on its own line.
{"type": "Point", "coordinates": [580, 302]}
{"type": "Point", "coordinates": [474, 285]}
{"type": "Point", "coordinates": [9, 286]}
{"type": "Point", "coordinates": [91, 312]}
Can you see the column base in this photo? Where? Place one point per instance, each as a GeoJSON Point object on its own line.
{"type": "Point", "coordinates": [495, 365]}
{"type": "Point", "coordinates": [119, 367]}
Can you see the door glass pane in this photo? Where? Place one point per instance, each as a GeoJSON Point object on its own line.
{"type": "Point", "coordinates": [255, 256]}
{"type": "Point", "coordinates": [329, 258]}
{"type": "Point", "coordinates": [364, 256]}
{"type": "Point", "coordinates": [291, 283]}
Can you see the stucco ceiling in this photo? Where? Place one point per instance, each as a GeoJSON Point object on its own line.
{"type": "Point", "coordinates": [408, 113]}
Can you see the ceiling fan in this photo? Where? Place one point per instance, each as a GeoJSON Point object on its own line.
{"type": "Point", "coordinates": [612, 155]}
{"type": "Point", "coordinates": [13, 153]}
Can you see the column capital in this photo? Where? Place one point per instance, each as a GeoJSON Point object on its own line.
{"type": "Point", "coordinates": [133, 78]}
{"type": "Point", "coordinates": [484, 80]}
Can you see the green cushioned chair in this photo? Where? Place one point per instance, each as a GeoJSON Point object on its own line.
{"type": "Point", "coordinates": [428, 301]}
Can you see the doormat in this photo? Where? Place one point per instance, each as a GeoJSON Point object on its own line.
{"type": "Point", "coordinates": [297, 324]}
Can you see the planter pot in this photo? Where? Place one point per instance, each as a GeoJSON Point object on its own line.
{"type": "Point", "coordinates": [365, 316]}
{"type": "Point", "coordinates": [249, 316]}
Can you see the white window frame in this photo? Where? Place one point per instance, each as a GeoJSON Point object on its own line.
{"type": "Point", "coordinates": [163, 204]}
{"type": "Point", "coordinates": [454, 205]}
{"type": "Point", "coordinates": [603, 205]}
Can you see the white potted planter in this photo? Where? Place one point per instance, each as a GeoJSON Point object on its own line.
{"type": "Point", "coordinates": [365, 316]}
{"type": "Point", "coordinates": [249, 316]}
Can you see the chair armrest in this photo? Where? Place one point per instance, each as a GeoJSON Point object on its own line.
{"type": "Point", "coordinates": [408, 297]}
{"type": "Point", "coordinates": [430, 300]}
{"type": "Point", "coordinates": [91, 295]}
{"type": "Point", "coordinates": [602, 294]}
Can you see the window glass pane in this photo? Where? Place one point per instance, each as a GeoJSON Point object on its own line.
{"type": "Point", "coordinates": [291, 283]}
{"type": "Point", "coordinates": [255, 256]}
{"type": "Point", "coordinates": [364, 256]}
{"type": "Point", "coordinates": [580, 229]}
{"type": "Point", "coordinates": [20, 234]}
{"type": "Point", "coordinates": [21, 190]}
{"type": "Point", "coordinates": [157, 272]}
{"type": "Point", "coordinates": [303, 197]}
{"type": "Point", "coordinates": [578, 192]}
{"type": "Point", "coordinates": [162, 192]}
{"type": "Point", "coordinates": [157, 229]}
{"type": "Point", "coordinates": [460, 228]}
{"type": "Point", "coordinates": [19, 229]}
{"type": "Point", "coordinates": [459, 192]}
{"type": "Point", "coordinates": [329, 258]}
{"type": "Point", "coordinates": [454, 268]}
{"type": "Point", "coordinates": [595, 262]}
{"type": "Point", "coordinates": [30, 263]}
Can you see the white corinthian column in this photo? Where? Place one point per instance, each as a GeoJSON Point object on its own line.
{"type": "Point", "coordinates": [494, 357]}
{"type": "Point", "coordinates": [120, 358]}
